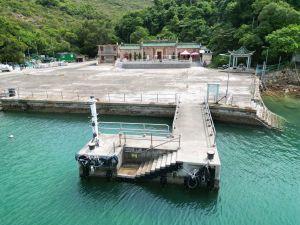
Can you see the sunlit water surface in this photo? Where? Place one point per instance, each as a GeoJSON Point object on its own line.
{"type": "Point", "coordinates": [260, 178]}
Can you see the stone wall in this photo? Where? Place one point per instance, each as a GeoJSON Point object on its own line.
{"type": "Point", "coordinates": [234, 115]}
{"type": "Point", "coordinates": [159, 110]}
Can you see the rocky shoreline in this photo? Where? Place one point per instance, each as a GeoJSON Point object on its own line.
{"type": "Point", "coordinates": [282, 90]}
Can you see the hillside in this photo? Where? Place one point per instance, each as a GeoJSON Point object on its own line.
{"type": "Point", "coordinates": [47, 26]}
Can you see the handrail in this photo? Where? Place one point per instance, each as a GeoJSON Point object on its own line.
{"type": "Point", "coordinates": [106, 97]}
{"type": "Point", "coordinates": [210, 120]}
{"type": "Point", "coordinates": [153, 140]}
{"type": "Point", "coordinates": [176, 112]}
{"type": "Point", "coordinates": [164, 128]}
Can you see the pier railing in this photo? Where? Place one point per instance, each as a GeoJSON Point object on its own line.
{"type": "Point", "coordinates": [100, 96]}
{"type": "Point", "coordinates": [175, 114]}
{"type": "Point", "coordinates": [210, 127]}
{"type": "Point", "coordinates": [135, 128]}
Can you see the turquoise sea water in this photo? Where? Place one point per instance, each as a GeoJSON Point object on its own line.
{"type": "Point", "coordinates": [260, 178]}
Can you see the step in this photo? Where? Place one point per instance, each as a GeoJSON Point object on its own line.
{"type": "Point", "coordinates": [169, 158]}
{"type": "Point", "coordinates": [138, 173]}
{"type": "Point", "coordinates": [157, 167]}
{"type": "Point", "coordinates": [153, 165]}
{"type": "Point", "coordinates": [149, 166]}
{"type": "Point", "coordinates": [164, 161]}
{"type": "Point", "coordinates": [145, 167]}
{"type": "Point", "coordinates": [174, 158]}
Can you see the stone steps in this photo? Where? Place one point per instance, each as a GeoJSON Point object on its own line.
{"type": "Point", "coordinates": [155, 166]}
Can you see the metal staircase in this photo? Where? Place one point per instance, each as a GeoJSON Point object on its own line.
{"type": "Point", "coordinates": [154, 167]}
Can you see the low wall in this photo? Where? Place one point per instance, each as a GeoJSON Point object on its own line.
{"type": "Point", "coordinates": [234, 115]}
{"type": "Point", "coordinates": [135, 109]}
{"type": "Point", "coordinates": [155, 65]}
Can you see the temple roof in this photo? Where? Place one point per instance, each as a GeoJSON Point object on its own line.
{"type": "Point", "coordinates": [159, 44]}
{"type": "Point", "coordinates": [130, 47]}
{"type": "Point", "coordinates": [242, 51]}
{"type": "Point", "coordinates": [188, 45]}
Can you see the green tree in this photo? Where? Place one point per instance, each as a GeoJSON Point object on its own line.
{"type": "Point", "coordinates": [285, 41]}
{"type": "Point", "coordinates": [139, 34]}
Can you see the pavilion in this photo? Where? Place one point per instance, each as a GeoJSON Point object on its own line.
{"type": "Point", "coordinates": [240, 53]}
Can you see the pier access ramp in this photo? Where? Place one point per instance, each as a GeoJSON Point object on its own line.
{"type": "Point", "coordinates": [198, 136]}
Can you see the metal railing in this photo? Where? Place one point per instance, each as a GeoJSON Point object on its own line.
{"type": "Point", "coordinates": [210, 127]}
{"type": "Point", "coordinates": [135, 128]}
{"type": "Point", "coordinates": [175, 114]}
{"type": "Point", "coordinates": [100, 96]}
{"type": "Point", "coordinates": [154, 143]}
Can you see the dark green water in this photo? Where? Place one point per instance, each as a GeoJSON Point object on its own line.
{"type": "Point", "coordinates": [260, 177]}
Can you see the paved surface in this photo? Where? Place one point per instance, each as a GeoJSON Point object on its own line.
{"type": "Point", "coordinates": [190, 84]}
{"type": "Point", "coordinates": [88, 79]}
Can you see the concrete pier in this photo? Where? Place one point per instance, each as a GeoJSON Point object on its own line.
{"type": "Point", "coordinates": [187, 156]}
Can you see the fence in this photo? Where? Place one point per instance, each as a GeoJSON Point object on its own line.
{"type": "Point", "coordinates": [100, 96]}
{"type": "Point", "coordinates": [210, 127]}
{"type": "Point", "coordinates": [135, 128]}
{"type": "Point", "coordinates": [174, 143]}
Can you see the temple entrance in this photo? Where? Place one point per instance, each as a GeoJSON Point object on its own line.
{"type": "Point", "coordinates": [159, 55]}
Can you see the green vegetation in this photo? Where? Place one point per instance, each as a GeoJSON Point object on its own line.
{"type": "Point", "coordinates": [222, 25]}
{"type": "Point", "coordinates": [49, 26]}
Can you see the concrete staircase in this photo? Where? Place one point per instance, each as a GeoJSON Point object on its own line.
{"type": "Point", "coordinates": [154, 167]}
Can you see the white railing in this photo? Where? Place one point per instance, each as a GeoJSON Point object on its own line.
{"type": "Point", "coordinates": [100, 96]}
{"type": "Point", "coordinates": [135, 128]}
{"type": "Point", "coordinates": [175, 114]}
{"type": "Point", "coordinates": [210, 127]}
{"type": "Point", "coordinates": [153, 142]}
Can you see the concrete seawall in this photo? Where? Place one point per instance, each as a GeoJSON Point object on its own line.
{"type": "Point", "coordinates": [135, 109]}
{"type": "Point", "coordinates": [234, 115]}
{"type": "Point", "coordinates": [220, 113]}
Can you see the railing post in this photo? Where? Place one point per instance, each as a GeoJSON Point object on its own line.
{"type": "Point", "coordinates": [151, 145]}
{"type": "Point", "coordinates": [114, 147]}
{"type": "Point", "coordinates": [108, 97]}
{"type": "Point", "coordinates": [157, 98]}
{"type": "Point", "coordinates": [61, 95]}
{"type": "Point", "coordinates": [47, 94]}
{"type": "Point", "coordinates": [141, 97]}
{"type": "Point", "coordinates": [32, 94]}
{"type": "Point", "coordinates": [18, 93]}
{"type": "Point", "coordinates": [125, 138]}
{"type": "Point", "coordinates": [179, 141]}
{"type": "Point", "coordinates": [124, 97]}
{"type": "Point", "coordinates": [120, 141]}
{"type": "Point", "coordinates": [78, 96]}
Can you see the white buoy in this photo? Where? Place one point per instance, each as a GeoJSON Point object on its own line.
{"type": "Point", "coordinates": [11, 136]}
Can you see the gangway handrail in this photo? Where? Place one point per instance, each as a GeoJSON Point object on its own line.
{"type": "Point", "coordinates": [210, 120]}
{"type": "Point", "coordinates": [176, 112]}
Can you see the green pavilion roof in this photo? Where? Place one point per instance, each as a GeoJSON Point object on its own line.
{"type": "Point", "coordinates": [130, 46]}
{"type": "Point", "coordinates": [159, 44]}
{"type": "Point", "coordinates": [241, 51]}
{"type": "Point", "coordinates": [188, 45]}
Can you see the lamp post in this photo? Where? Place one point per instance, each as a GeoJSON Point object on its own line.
{"type": "Point", "coordinates": [264, 47]}
{"type": "Point", "coordinates": [265, 62]}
